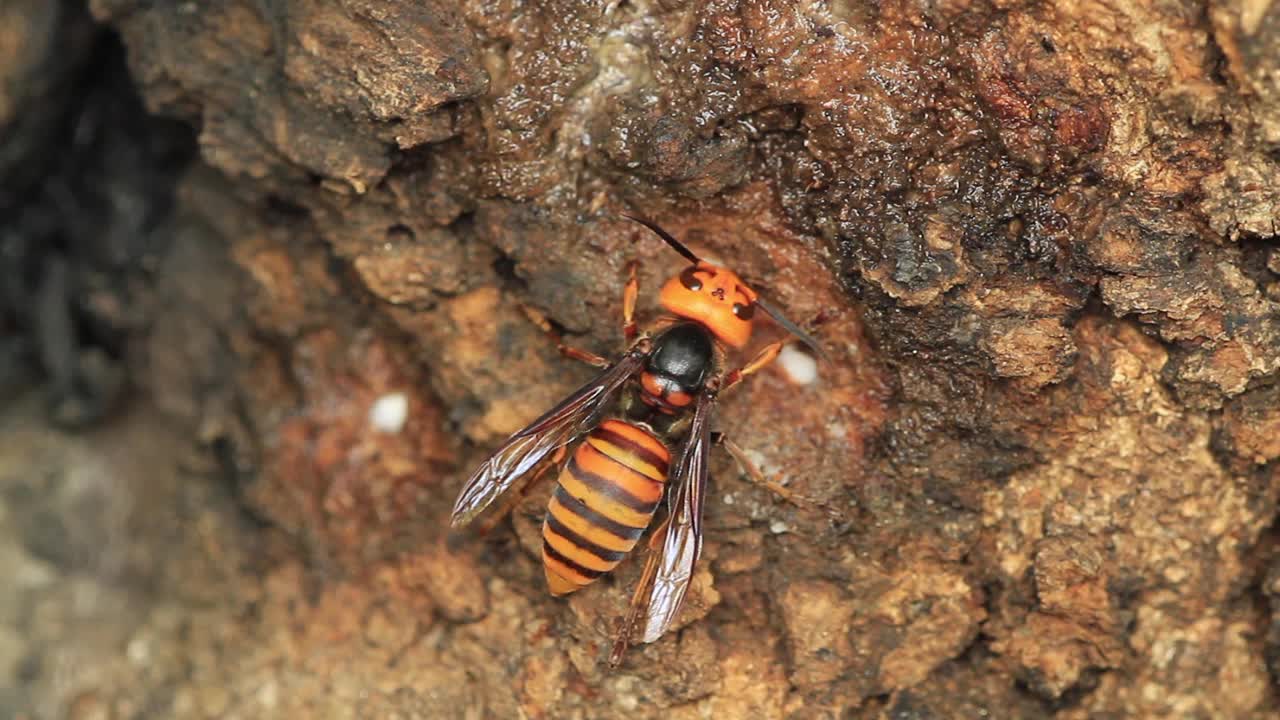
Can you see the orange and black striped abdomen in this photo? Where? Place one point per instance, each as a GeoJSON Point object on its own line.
{"type": "Point", "coordinates": [605, 498]}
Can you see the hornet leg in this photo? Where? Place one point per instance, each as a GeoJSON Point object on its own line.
{"type": "Point", "coordinates": [586, 356]}
{"type": "Point", "coordinates": [629, 295]}
{"type": "Point", "coordinates": [767, 354]}
{"type": "Point", "coordinates": [754, 474]}
{"type": "Point", "coordinates": [640, 598]}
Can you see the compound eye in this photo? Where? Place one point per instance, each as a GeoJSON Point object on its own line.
{"type": "Point", "coordinates": [744, 312]}
{"type": "Point", "coordinates": [689, 280]}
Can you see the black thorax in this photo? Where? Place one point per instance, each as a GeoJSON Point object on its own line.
{"type": "Point", "coordinates": [682, 357]}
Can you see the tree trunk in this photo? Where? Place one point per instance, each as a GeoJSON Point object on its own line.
{"type": "Point", "coordinates": [1038, 242]}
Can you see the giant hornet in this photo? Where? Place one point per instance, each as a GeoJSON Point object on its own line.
{"type": "Point", "coordinates": [656, 435]}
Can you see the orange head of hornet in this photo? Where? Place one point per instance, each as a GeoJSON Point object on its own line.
{"type": "Point", "coordinates": [717, 298]}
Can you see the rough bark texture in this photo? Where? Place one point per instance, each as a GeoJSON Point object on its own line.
{"type": "Point", "coordinates": [1038, 240]}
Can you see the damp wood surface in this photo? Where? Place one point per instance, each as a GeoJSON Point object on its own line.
{"type": "Point", "coordinates": [1039, 242]}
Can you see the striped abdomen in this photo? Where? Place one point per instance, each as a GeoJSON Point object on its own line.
{"type": "Point", "coordinates": [605, 498]}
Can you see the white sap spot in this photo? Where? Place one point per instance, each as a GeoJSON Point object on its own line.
{"type": "Point", "coordinates": [138, 650]}
{"type": "Point", "coordinates": [799, 366]}
{"type": "Point", "coordinates": [389, 412]}
{"type": "Point", "coordinates": [728, 498]}
{"type": "Point", "coordinates": [269, 694]}
{"type": "Point", "coordinates": [777, 527]}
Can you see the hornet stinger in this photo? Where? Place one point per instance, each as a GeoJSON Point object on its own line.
{"type": "Point", "coordinates": [646, 419]}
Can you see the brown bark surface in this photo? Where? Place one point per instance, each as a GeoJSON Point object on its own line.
{"type": "Point", "coordinates": [1038, 240]}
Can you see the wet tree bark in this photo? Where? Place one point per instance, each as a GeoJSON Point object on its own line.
{"type": "Point", "coordinates": [1039, 242]}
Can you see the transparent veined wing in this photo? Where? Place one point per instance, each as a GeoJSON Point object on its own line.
{"type": "Point", "coordinates": [682, 542]}
{"type": "Point", "coordinates": [558, 427]}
